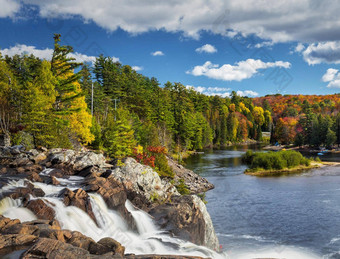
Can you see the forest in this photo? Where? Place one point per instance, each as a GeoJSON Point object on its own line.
{"type": "Point", "coordinates": [49, 103]}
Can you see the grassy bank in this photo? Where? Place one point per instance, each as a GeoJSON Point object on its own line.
{"type": "Point", "coordinates": [270, 172]}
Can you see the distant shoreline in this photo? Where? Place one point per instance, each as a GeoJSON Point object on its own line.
{"type": "Point", "coordinates": [286, 171]}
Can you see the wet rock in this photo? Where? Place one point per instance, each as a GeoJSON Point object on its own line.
{"type": "Point", "coordinates": [49, 248]}
{"type": "Point", "coordinates": [187, 218]}
{"type": "Point", "coordinates": [195, 183]}
{"type": "Point", "coordinates": [16, 240]}
{"type": "Point", "coordinates": [40, 209]}
{"type": "Point", "coordinates": [112, 245]}
{"type": "Point", "coordinates": [80, 199]}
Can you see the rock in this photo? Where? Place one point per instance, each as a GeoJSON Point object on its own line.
{"type": "Point", "coordinates": [91, 170]}
{"type": "Point", "coordinates": [49, 248]}
{"type": "Point", "coordinates": [34, 177]}
{"type": "Point", "coordinates": [87, 159]}
{"type": "Point", "coordinates": [113, 245]}
{"type": "Point", "coordinates": [20, 192]}
{"type": "Point", "coordinates": [15, 150]}
{"type": "Point", "coordinates": [40, 209]}
{"type": "Point", "coordinates": [187, 217]}
{"type": "Point", "coordinates": [80, 240]}
{"type": "Point", "coordinates": [21, 161]}
{"type": "Point", "coordinates": [80, 199]}
{"type": "Point", "coordinates": [20, 229]}
{"type": "Point", "coordinates": [39, 158]}
{"type": "Point", "coordinates": [16, 240]}
{"type": "Point", "coordinates": [109, 188]}
{"type": "Point", "coordinates": [61, 235]}
{"type": "Point", "coordinates": [143, 180]}
{"type": "Point", "coordinates": [195, 183]}
{"type": "Point", "coordinates": [33, 152]}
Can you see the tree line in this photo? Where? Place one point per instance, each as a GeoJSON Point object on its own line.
{"type": "Point", "coordinates": [48, 103]}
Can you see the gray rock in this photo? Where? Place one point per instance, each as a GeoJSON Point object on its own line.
{"type": "Point", "coordinates": [143, 180]}
{"type": "Point", "coordinates": [86, 159]}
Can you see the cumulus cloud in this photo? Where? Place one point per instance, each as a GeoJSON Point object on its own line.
{"type": "Point", "coordinates": [280, 21]}
{"type": "Point", "coordinates": [8, 8]}
{"type": "Point", "coordinates": [332, 76]}
{"type": "Point", "coordinates": [206, 48]}
{"type": "Point", "coordinates": [248, 93]}
{"type": "Point", "coordinates": [157, 53]}
{"type": "Point", "coordinates": [240, 71]}
{"type": "Point", "coordinates": [137, 68]}
{"type": "Point", "coordinates": [323, 52]}
{"type": "Point", "coordinates": [211, 91]}
{"type": "Point", "coordinates": [46, 53]}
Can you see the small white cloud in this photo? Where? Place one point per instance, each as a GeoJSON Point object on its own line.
{"type": "Point", "coordinates": [300, 47]}
{"type": "Point", "coordinates": [46, 53]}
{"type": "Point", "coordinates": [157, 53]}
{"type": "Point", "coordinates": [264, 44]}
{"type": "Point", "coordinates": [248, 93]}
{"type": "Point", "coordinates": [242, 70]}
{"type": "Point", "coordinates": [206, 48]}
{"type": "Point", "coordinates": [332, 76]}
{"type": "Point", "coordinates": [137, 68]}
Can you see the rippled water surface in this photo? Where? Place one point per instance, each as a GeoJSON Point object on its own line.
{"type": "Point", "coordinates": [278, 214]}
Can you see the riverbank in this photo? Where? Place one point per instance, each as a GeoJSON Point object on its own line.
{"type": "Point", "coordinates": [83, 192]}
{"type": "Point", "coordinates": [305, 148]}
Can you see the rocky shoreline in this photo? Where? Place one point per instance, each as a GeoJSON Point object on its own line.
{"type": "Point", "coordinates": [183, 216]}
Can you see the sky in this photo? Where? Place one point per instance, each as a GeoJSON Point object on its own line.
{"type": "Point", "coordinates": [253, 47]}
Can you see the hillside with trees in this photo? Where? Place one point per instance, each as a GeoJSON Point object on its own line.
{"type": "Point", "coordinates": [303, 119]}
{"type": "Point", "coordinates": [48, 103]}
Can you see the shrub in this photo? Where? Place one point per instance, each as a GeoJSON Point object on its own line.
{"type": "Point", "coordinates": [275, 160]}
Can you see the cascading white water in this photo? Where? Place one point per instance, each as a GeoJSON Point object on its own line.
{"type": "Point", "coordinates": [149, 240]}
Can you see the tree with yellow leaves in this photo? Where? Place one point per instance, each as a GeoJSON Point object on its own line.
{"type": "Point", "coordinates": [70, 106]}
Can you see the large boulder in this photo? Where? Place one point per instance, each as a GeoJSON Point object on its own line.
{"type": "Point", "coordinates": [187, 218]}
{"type": "Point", "coordinates": [143, 181]}
{"type": "Point", "coordinates": [75, 161]}
{"type": "Point", "coordinates": [195, 183]}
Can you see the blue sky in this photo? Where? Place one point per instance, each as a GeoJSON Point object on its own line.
{"type": "Point", "coordinates": [252, 47]}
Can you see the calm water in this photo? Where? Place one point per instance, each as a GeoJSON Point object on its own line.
{"type": "Point", "coordinates": [272, 216]}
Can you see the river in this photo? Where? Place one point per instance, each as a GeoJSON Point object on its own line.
{"type": "Point", "coordinates": [296, 216]}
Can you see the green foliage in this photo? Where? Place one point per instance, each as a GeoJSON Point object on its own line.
{"type": "Point", "coordinates": [118, 136]}
{"type": "Point", "coordinates": [275, 160]}
{"type": "Point", "coordinates": [182, 188]}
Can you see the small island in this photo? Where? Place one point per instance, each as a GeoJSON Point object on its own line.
{"type": "Point", "coordinates": [277, 163]}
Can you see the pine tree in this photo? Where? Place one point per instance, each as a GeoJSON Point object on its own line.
{"type": "Point", "coordinates": [70, 106]}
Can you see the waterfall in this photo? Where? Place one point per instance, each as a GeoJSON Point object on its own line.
{"type": "Point", "coordinates": [148, 240]}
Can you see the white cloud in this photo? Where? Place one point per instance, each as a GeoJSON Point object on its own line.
{"type": "Point", "coordinates": [46, 53]}
{"type": "Point", "coordinates": [264, 44]}
{"type": "Point", "coordinates": [332, 76]}
{"type": "Point", "coordinates": [8, 8]}
{"type": "Point", "coordinates": [248, 93]}
{"type": "Point", "coordinates": [157, 53]}
{"type": "Point", "coordinates": [240, 71]}
{"type": "Point", "coordinates": [206, 48]}
{"type": "Point", "coordinates": [137, 68]}
{"type": "Point", "coordinates": [299, 47]}
{"type": "Point", "coordinates": [278, 21]}
{"type": "Point", "coordinates": [211, 91]}
{"type": "Point", "coordinates": [324, 52]}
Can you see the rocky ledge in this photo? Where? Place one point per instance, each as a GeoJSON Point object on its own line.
{"type": "Point", "coordinates": [184, 216]}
